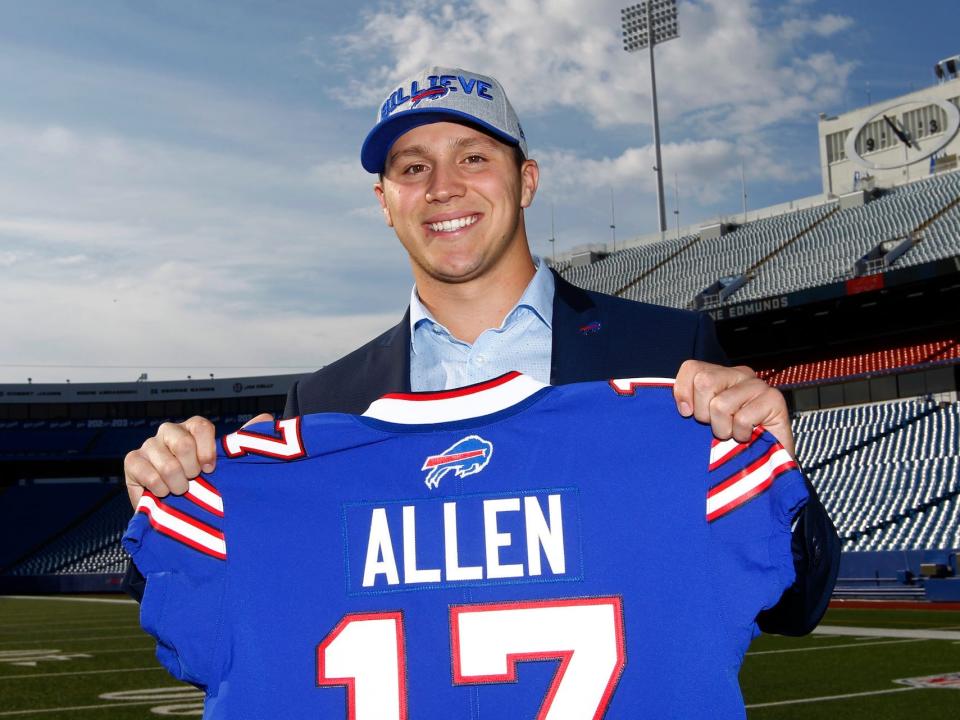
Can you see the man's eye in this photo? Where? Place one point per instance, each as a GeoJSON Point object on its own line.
{"type": "Point", "coordinates": [474, 159]}
{"type": "Point", "coordinates": [414, 169]}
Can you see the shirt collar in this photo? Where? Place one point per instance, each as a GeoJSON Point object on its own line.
{"type": "Point", "coordinates": [538, 296]}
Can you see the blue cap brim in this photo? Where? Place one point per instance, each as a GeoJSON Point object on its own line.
{"type": "Point", "coordinates": [373, 154]}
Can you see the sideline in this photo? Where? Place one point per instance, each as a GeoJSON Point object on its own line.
{"type": "Point", "coordinates": [76, 708]}
{"type": "Point", "coordinates": [81, 672]}
{"type": "Point", "coordinates": [918, 634]}
{"type": "Point", "coordinates": [109, 601]}
{"type": "Point", "coordinates": [830, 697]}
{"type": "Point", "coordinates": [831, 647]}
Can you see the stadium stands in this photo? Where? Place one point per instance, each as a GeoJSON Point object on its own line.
{"type": "Point", "coordinates": [77, 439]}
{"type": "Point", "coordinates": [889, 474]}
{"type": "Point", "coordinates": [92, 546]}
{"type": "Point", "coordinates": [37, 512]}
{"type": "Point", "coordinates": [880, 361]}
{"type": "Point", "coordinates": [616, 271]}
{"type": "Point", "coordinates": [678, 282]}
{"type": "Point", "coordinates": [829, 252]}
{"type": "Point", "coordinates": [784, 253]}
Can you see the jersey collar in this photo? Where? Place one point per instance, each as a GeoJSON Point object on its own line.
{"type": "Point", "coordinates": [425, 408]}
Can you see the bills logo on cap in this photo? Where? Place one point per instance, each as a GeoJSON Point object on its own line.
{"type": "Point", "coordinates": [438, 86]}
{"type": "Point", "coordinates": [433, 93]}
{"type": "Point", "coordinates": [465, 457]}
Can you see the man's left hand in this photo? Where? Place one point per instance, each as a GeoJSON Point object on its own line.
{"type": "Point", "coordinates": [733, 400]}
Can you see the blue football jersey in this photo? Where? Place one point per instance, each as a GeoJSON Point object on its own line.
{"type": "Point", "coordinates": [507, 550]}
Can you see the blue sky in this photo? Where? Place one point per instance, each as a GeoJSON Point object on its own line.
{"type": "Point", "coordinates": [180, 189]}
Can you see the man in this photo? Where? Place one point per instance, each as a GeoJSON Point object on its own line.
{"type": "Point", "coordinates": [454, 179]}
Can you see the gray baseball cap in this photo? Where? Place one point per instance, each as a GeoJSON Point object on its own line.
{"type": "Point", "coordinates": [437, 94]}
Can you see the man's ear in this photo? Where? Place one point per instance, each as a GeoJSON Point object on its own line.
{"type": "Point", "coordinates": [529, 180]}
{"type": "Point", "coordinates": [381, 198]}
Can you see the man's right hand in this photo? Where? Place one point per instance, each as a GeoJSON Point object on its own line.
{"type": "Point", "coordinates": [178, 452]}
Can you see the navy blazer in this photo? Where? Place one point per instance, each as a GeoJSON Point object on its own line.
{"type": "Point", "coordinates": [596, 337]}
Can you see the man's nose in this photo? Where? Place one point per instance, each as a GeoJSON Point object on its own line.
{"type": "Point", "coordinates": [444, 184]}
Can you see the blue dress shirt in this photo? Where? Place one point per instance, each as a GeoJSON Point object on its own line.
{"type": "Point", "coordinates": [440, 361]}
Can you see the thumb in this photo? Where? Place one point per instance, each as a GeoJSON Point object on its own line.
{"type": "Point", "coordinates": [262, 417]}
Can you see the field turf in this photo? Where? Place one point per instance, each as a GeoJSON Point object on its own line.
{"type": "Point", "coordinates": [83, 658]}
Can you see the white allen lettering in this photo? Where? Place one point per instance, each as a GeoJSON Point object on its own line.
{"type": "Point", "coordinates": [477, 526]}
{"type": "Point", "coordinates": [451, 548]}
{"type": "Point", "coordinates": [379, 545]}
{"type": "Point", "coordinates": [496, 539]}
{"type": "Point", "coordinates": [541, 534]}
{"type": "Point", "coordinates": [411, 573]}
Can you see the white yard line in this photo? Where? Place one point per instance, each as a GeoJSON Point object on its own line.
{"type": "Point", "coordinates": [91, 653]}
{"type": "Point", "coordinates": [76, 708]}
{"type": "Point", "coordinates": [825, 698]}
{"type": "Point", "coordinates": [70, 640]}
{"type": "Point", "coordinates": [832, 647]}
{"type": "Point", "coordinates": [125, 626]}
{"type": "Point", "coordinates": [40, 620]}
{"type": "Point", "coordinates": [80, 672]}
{"type": "Point", "coordinates": [928, 634]}
{"type": "Point", "coordinates": [110, 601]}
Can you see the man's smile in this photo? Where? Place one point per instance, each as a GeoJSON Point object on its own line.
{"type": "Point", "coordinates": [452, 224]}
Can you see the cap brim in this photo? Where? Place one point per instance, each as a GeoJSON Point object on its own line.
{"type": "Point", "coordinates": [373, 154]}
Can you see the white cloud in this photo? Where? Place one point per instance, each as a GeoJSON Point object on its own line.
{"type": "Point", "coordinates": [822, 26]}
{"type": "Point", "coordinates": [568, 55]}
{"type": "Point", "coordinates": [154, 325]}
{"type": "Point", "coordinates": [706, 169]}
{"type": "Point", "coordinates": [157, 250]}
{"type": "Point", "coordinates": [71, 260]}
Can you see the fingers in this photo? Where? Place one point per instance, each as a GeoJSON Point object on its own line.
{"type": "Point", "coordinates": [733, 401]}
{"type": "Point", "coordinates": [204, 436]}
{"type": "Point", "coordinates": [697, 382]}
{"type": "Point", "coordinates": [165, 463]}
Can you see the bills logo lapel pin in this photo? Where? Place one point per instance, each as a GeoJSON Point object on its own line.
{"type": "Point", "coordinates": [465, 457]}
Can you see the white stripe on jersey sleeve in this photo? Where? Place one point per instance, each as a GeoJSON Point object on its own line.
{"type": "Point", "coordinates": [181, 527]}
{"type": "Point", "coordinates": [205, 496]}
{"type": "Point", "coordinates": [742, 486]}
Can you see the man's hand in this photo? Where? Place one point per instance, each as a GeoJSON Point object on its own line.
{"type": "Point", "coordinates": [733, 400]}
{"type": "Point", "coordinates": [178, 452]}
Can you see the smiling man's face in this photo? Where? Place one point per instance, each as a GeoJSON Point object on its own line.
{"type": "Point", "coordinates": [455, 196]}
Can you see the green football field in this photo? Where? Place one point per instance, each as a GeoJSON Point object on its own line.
{"type": "Point", "coordinates": [67, 657]}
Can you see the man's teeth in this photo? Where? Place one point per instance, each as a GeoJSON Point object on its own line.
{"type": "Point", "coordinates": [451, 225]}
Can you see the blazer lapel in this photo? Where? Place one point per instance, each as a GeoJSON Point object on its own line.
{"type": "Point", "coordinates": [388, 368]}
{"type": "Point", "coordinates": [578, 348]}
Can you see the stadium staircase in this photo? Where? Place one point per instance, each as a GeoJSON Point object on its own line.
{"type": "Point", "coordinates": [668, 259]}
{"type": "Point", "coordinates": [753, 269]}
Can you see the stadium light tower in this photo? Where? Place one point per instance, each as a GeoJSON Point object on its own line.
{"type": "Point", "coordinates": [644, 26]}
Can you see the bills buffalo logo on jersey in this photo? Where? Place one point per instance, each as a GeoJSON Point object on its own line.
{"type": "Point", "coordinates": [467, 456]}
